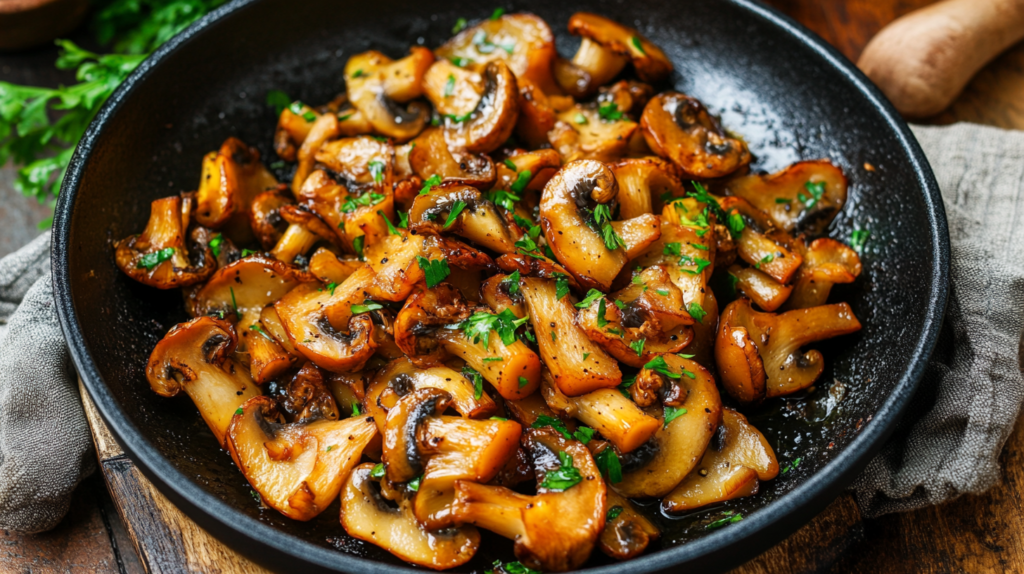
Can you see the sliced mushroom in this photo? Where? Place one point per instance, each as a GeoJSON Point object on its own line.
{"type": "Point", "coordinates": [377, 84]}
{"type": "Point", "coordinates": [738, 458]}
{"type": "Point", "coordinates": [644, 183]}
{"type": "Point", "coordinates": [680, 443]}
{"type": "Point", "coordinates": [362, 160]}
{"type": "Point", "coordinates": [554, 530]}
{"type": "Point", "coordinates": [159, 256]}
{"type": "Point", "coordinates": [523, 41]}
{"type": "Point", "coordinates": [493, 119]}
{"type": "Point", "coordinates": [329, 268]}
{"type": "Point", "coordinates": [351, 216]}
{"type": "Point", "coordinates": [305, 396]}
{"type": "Point", "coordinates": [401, 377]}
{"type": "Point", "coordinates": [629, 533]}
{"type": "Point", "coordinates": [396, 263]}
{"type": "Point", "coordinates": [423, 312]}
{"type": "Point", "coordinates": [596, 131]}
{"type": "Point", "coordinates": [761, 288]}
{"type": "Point", "coordinates": [569, 209]}
{"type": "Point", "coordinates": [498, 294]}
{"type": "Point", "coordinates": [762, 245]}
{"type": "Point", "coordinates": [607, 411]}
{"type": "Point", "coordinates": [268, 358]}
{"type": "Point", "coordinates": [679, 127]}
{"type": "Point", "coordinates": [348, 390]}
{"type": "Point", "coordinates": [367, 516]}
{"type": "Point", "coordinates": [805, 197]}
{"type": "Point", "coordinates": [402, 431]}
{"type": "Point", "coordinates": [299, 468]}
{"type": "Point", "coordinates": [432, 158]}
{"type": "Point", "coordinates": [607, 46]}
{"type": "Point", "coordinates": [245, 286]}
{"type": "Point", "coordinates": [296, 121]}
{"type": "Point", "coordinates": [325, 128]}
{"type": "Point", "coordinates": [536, 116]}
{"type": "Point", "coordinates": [577, 364]}
{"type": "Point", "coordinates": [459, 449]}
{"type": "Point", "coordinates": [304, 231]}
{"type": "Point", "coordinates": [826, 262]}
{"type": "Point", "coordinates": [195, 356]}
{"type": "Point", "coordinates": [758, 354]}
{"type": "Point", "coordinates": [265, 215]}
{"type": "Point", "coordinates": [231, 178]}
{"type": "Point", "coordinates": [536, 168]}
{"type": "Point", "coordinates": [453, 91]}
{"type": "Point", "coordinates": [463, 210]}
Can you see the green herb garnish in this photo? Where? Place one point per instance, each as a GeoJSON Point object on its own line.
{"type": "Point", "coordinates": [562, 478]}
{"type": "Point", "coordinates": [435, 270]}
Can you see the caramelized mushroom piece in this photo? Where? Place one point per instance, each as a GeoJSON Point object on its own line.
{"type": "Point", "coordinates": [351, 216]}
{"type": "Point", "coordinates": [523, 41]}
{"type": "Point", "coordinates": [362, 160]}
{"type": "Point", "coordinates": [377, 84]}
{"type": "Point", "coordinates": [231, 178]}
{"type": "Point", "coordinates": [432, 158]}
{"type": "Point", "coordinates": [325, 128]}
{"type": "Point", "coordinates": [329, 268]}
{"type": "Point", "coordinates": [592, 131]}
{"type": "Point", "coordinates": [575, 214]}
{"type": "Point", "coordinates": [159, 256]}
{"type": "Point", "coordinates": [607, 411]}
{"type": "Point", "coordinates": [607, 46]}
{"type": "Point", "coordinates": [763, 246]}
{"type": "Point", "coordinates": [556, 529]}
{"type": "Point", "coordinates": [738, 458]}
{"type": "Point", "coordinates": [627, 532]}
{"type": "Point", "coordinates": [304, 231]}
{"type": "Point", "coordinates": [395, 260]}
{"type": "Point", "coordinates": [805, 197]}
{"type": "Point", "coordinates": [401, 377]}
{"type": "Point", "coordinates": [296, 122]}
{"type": "Point", "coordinates": [758, 354]}
{"type": "Point", "coordinates": [194, 356]}
{"type": "Point", "coordinates": [453, 91]}
{"type": "Point", "coordinates": [245, 287]}
{"type": "Point", "coordinates": [423, 312]}
{"type": "Point", "coordinates": [534, 167]}
{"type": "Point", "coordinates": [306, 397]}
{"type": "Point", "coordinates": [760, 287]}
{"type": "Point", "coordinates": [577, 364]}
{"type": "Point", "coordinates": [268, 357]}
{"type": "Point", "coordinates": [402, 458]}
{"type": "Point", "coordinates": [643, 185]}
{"type": "Point", "coordinates": [298, 468]}
{"type": "Point", "coordinates": [536, 115]}
{"type": "Point", "coordinates": [491, 122]}
{"type": "Point", "coordinates": [826, 262]}
{"type": "Point", "coordinates": [265, 215]}
{"type": "Point", "coordinates": [679, 127]}
{"type": "Point", "coordinates": [463, 210]}
{"type": "Point", "coordinates": [689, 423]}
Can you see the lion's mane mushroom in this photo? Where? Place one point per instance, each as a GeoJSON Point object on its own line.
{"type": "Point", "coordinates": [738, 458]}
{"type": "Point", "coordinates": [265, 215]}
{"type": "Point", "coordinates": [401, 377]}
{"type": "Point", "coordinates": [298, 469]}
{"type": "Point", "coordinates": [576, 216]}
{"type": "Point", "coordinates": [607, 411]}
{"type": "Point", "coordinates": [679, 127]}
{"type": "Point", "coordinates": [577, 364]}
{"type": "Point", "coordinates": [376, 85]}
{"type": "Point", "coordinates": [556, 529]}
{"type": "Point", "coordinates": [826, 262]}
{"type": "Point", "coordinates": [432, 158]}
{"type": "Point", "coordinates": [159, 256]}
{"type": "Point", "coordinates": [758, 354]}
{"type": "Point", "coordinates": [605, 48]}
{"type": "Point", "coordinates": [194, 356]}
{"type": "Point", "coordinates": [628, 533]}
{"type": "Point", "coordinates": [690, 413]}
{"type": "Point", "coordinates": [493, 119]}
{"type": "Point", "coordinates": [805, 197]}
{"type": "Point", "coordinates": [304, 231]}
{"type": "Point", "coordinates": [366, 515]}
{"type": "Point", "coordinates": [231, 178]}
{"type": "Point", "coordinates": [646, 319]}
{"type": "Point", "coordinates": [523, 41]}
{"type": "Point", "coordinates": [463, 210]}
{"type": "Point", "coordinates": [423, 312]}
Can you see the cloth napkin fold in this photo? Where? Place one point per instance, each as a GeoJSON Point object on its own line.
{"type": "Point", "coordinates": [947, 445]}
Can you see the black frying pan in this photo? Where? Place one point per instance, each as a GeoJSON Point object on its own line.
{"type": "Point", "coordinates": [789, 94]}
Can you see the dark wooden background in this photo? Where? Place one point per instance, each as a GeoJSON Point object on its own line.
{"type": "Point", "coordinates": [972, 534]}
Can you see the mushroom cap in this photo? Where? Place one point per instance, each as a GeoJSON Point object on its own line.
{"type": "Point", "coordinates": [493, 119]}
{"type": "Point", "coordinates": [251, 283]}
{"type": "Point", "coordinates": [826, 262]}
{"type": "Point", "coordinates": [628, 534]}
{"type": "Point", "coordinates": [432, 156]}
{"type": "Point", "coordinates": [650, 62]}
{"type": "Point", "coordinates": [265, 215]}
{"type": "Point", "coordinates": [402, 457]}
{"type": "Point", "coordinates": [377, 84]}
{"type": "Point", "coordinates": [302, 313]}
{"type": "Point", "coordinates": [231, 178]}
{"type": "Point", "coordinates": [424, 311]}
{"type": "Point", "coordinates": [679, 127]}
{"type": "Point", "coordinates": [478, 219]}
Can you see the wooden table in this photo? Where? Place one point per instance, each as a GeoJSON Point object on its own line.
{"type": "Point", "coordinates": [972, 534]}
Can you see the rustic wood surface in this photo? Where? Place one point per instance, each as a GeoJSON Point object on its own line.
{"type": "Point", "coordinates": [972, 534]}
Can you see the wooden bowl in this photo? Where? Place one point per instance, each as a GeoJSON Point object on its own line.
{"type": "Point", "coordinates": [28, 23]}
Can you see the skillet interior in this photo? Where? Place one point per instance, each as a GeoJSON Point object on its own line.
{"type": "Point", "coordinates": [771, 84]}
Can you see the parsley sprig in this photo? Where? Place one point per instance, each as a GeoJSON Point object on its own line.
{"type": "Point", "coordinates": [481, 324]}
{"type": "Point", "coordinates": [564, 477]}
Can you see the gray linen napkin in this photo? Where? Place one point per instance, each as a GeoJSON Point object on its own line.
{"type": "Point", "coordinates": [946, 446]}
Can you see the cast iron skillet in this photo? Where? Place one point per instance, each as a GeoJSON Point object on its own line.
{"type": "Point", "coordinates": [789, 94]}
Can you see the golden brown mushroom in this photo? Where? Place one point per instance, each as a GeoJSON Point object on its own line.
{"type": "Point", "coordinates": [298, 468]}
{"type": "Point", "coordinates": [607, 46]}
{"type": "Point", "coordinates": [432, 158]}
{"type": "Point", "coordinates": [195, 356]}
{"type": "Point", "coordinates": [245, 286]}
{"type": "Point", "coordinates": [597, 130]}
{"type": "Point", "coordinates": [454, 91]}
{"type": "Point", "coordinates": [627, 533]}
{"type": "Point", "coordinates": [463, 210]}
{"type": "Point", "coordinates": [738, 458]}
{"type": "Point", "coordinates": [556, 529]}
{"type": "Point", "coordinates": [265, 215]}
{"type": "Point", "coordinates": [231, 178]}
{"type": "Point", "coordinates": [758, 354]}
{"type": "Point", "coordinates": [423, 312]}
{"type": "Point", "coordinates": [644, 183]}
{"type": "Point", "coordinates": [159, 256]}
{"type": "Point", "coordinates": [826, 262]}
{"type": "Point", "coordinates": [305, 397]}
{"type": "Point", "coordinates": [366, 515]}
{"type": "Point", "coordinates": [377, 84]}
{"type": "Point", "coordinates": [325, 128]}
{"type": "Point", "coordinates": [760, 287]}
{"type": "Point", "coordinates": [679, 127]}
{"type": "Point", "coordinates": [304, 231]}
{"type": "Point", "coordinates": [491, 122]}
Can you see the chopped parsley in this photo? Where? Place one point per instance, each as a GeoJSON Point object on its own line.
{"type": "Point", "coordinates": [729, 517]}
{"type": "Point", "coordinates": [403, 219]}
{"type": "Point", "coordinates": [658, 365]}
{"type": "Point", "coordinates": [359, 73]}
{"type": "Point", "coordinates": [554, 337]}
{"type": "Point", "coordinates": [585, 355]}
{"type": "Point", "coordinates": [151, 260]}
{"type": "Point", "coordinates": [626, 383]}
{"type": "Point", "coordinates": [636, 42]}
{"type": "Point", "coordinates": [584, 434]}
{"type": "Point", "coordinates": [378, 471]}
{"type": "Point", "coordinates": [457, 208]}
{"type": "Point", "coordinates": [234, 303]}
{"type": "Point", "coordinates": [561, 285]}
{"type": "Point", "coordinates": [662, 292]}
{"type": "Point", "coordinates": [527, 246]}
{"type": "Point", "coordinates": [592, 295]}
{"type": "Point", "coordinates": [357, 246]}
{"type": "Point", "coordinates": [523, 381]}
{"type": "Point", "coordinates": [247, 252]}
{"type": "Point", "coordinates": [638, 346]}
{"type": "Point", "coordinates": [512, 568]}
{"type": "Point", "coordinates": [603, 218]}
{"type": "Point", "coordinates": [256, 327]}
{"type": "Point", "coordinates": [376, 168]}
{"type": "Point", "coordinates": [366, 307]}
{"type": "Point", "coordinates": [858, 238]}
{"type": "Point", "coordinates": [613, 513]}
{"type": "Point", "coordinates": [673, 249]}
{"type": "Point", "coordinates": [279, 100]}
{"type": "Point", "coordinates": [478, 381]}
{"type": "Point", "coordinates": [481, 324]}
{"type": "Point", "coordinates": [782, 200]}
{"type": "Point", "coordinates": [637, 280]}
{"type": "Point", "coordinates": [391, 226]}
{"type": "Point", "coordinates": [435, 271]}
{"type": "Point", "coordinates": [215, 244]}
{"type": "Point", "coordinates": [329, 448]}
{"type": "Point", "coordinates": [460, 118]}
{"type": "Point", "coordinates": [459, 26]}
{"type": "Point", "coordinates": [504, 199]}
{"type": "Point", "coordinates": [414, 484]}
{"type": "Point", "coordinates": [609, 112]}
{"type": "Point", "coordinates": [239, 411]}
{"type": "Point", "coordinates": [817, 191]}
{"type": "Point", "coordinates": [296, 108]}
{"type": "Point", "coordinates": [431, 182]}
{"type": "Point", "coordinates": [498, 12]}
{"type": "Point", "coordinates": [494, 359]}
{"type": "Point", "coordinates": [460, 61]}
{"type": "Point", "coordinates": [522, 180]}
{"type": "Point", "coordinates": [356, 410]}
{"type": "Point", "coordinates": [733, 221]}
{"type": "Point", "coordinates": [601, 310]}
{"type": "Point", "coordinates": [765, 260]}
{"type": "Point", "coordinates": [367, 199]}
{"type": "Point", "coordinates": [609, 464]}
{"type": "Point", "coordinates": [532, 230]}
{"type": "Point", "coordinates": [697, 312]}
{"type": "Point", "coordinates": [672, 413]}
{"type": "Point", "coordinates": [564, 477]}
{"type": "Point", "coordinates": [580, 119]}
{"type": "Point", "coordinates": [449, 86]}
{"type": "Point", "coordinates": [502, 419]}
{"type": "Point", "coordinates": [513, 283]}
{"type": "Point", "coordinates": [555, 423]}
{"type": "Point", "coordinates": [792, 465]}
{"type": "Point", "coordinates": [510, 164]}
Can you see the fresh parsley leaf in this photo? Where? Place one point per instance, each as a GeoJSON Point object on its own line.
{"type": "Point", "coordinates": [592, 295]}
{"type": "Point", "coordinates": [636, 42]}
{"type": "Point", "coordinates": [672, 249]}
{"type": "Point", "coordinates": [859, 238]}
{"type": "Point", "coordinates": [234, 303]}
{"type": "Point", "coordinates": [659, 365]}
{"type": "Point", "coordinates": [697, 312]}
{"type": "Point", "coordinates": [554, 337]}
{"type": "Point", "coordinates": [460, 118]}
{"type": "Point", "coordinates": [601, 310]}
{"type": "Point", "coordinates": [584, 434]}
{"type": "Point", "coordinates": [613, 513]}
{"type": "Point", "coordinates": [453, 215]}
{"type": "Point", "coordinates": [662, 292]}
{"type": "Point", "coordinates": [239, 411]}
{"type": "Point", "coordinates": [414, 484]}
{"type": "Point", "coordinates": [498, 419]}
{"type": "Point", "coordinates": [152, 259]}
{"type": "Point", "coordinates": [555, 423]}
{"type": "Point", "coordinates": [498, 12]}
{"type": "Point", "coordinates": [215, 243]}
{"type": "Point", "coordinates": [478, 381]}
{"type": "Point", "coordinates": [504, 199]}
{"type": "Point", "coordinates": [625, 384]}
{"type": "Point", "coordinates": [782, 200]}
{"type": "Point", "coordinates": [729, 517]}
{"type": "Point", "coordinates": [366, 308]}
{"type": "Point", "coordinates": [391, 227]}
{"type": "Point", "coordinates": [247, 252]}
{"type": "Point", "coordinates": [817, 191]}
{"type": "Point", "coordinates": [403, 219]}
{"type": "Point", "coordinates": [460, 62]}
{"type": "Point", "coordinates": [561, 285]}
{"type": "Point", "coordinates": [431, 182]}
{"type": "Point", "coordinates": [357, 245]}
{"type": "Point", "coordinates": [585, 355]}
{"type": "Point", "coordinates": [278, 100]}
{"type": "Point", "coordinates": [672, 413]}
{"type": "Point", "coordinates": [609, 464]}
{"type": "Point", "coordinates": [609, 112]}
{"type": "Point", "coordinates": [564, 477]}
{"type": "Point", "coordinates": [359, 73]}
{"type": "Point", "coordinates": [459, 26]}
{"type": "Point", "coordinates": [513, 283]}
{"type": "Point", "coordinates": [765, 260]}
{"type": "Point", "coordinates": [510, 164]}
{"type": "Point", "coordinates": [580, 119]}
{"type": "Point", "coordinates": [376, 168]}
{"type": "Point", "coordinates": [700, 262]}
{"type": "Point", "coordinates": [622, 306]}
{"type": "Point", "coordinates": [481, 324]}
{"type": "Point", "coordinates": [256, 327]}
{"type": "Point", "coordinates": [523, 381]}
{"type": "Point", "coordinates": [522, 180]}
{"type": "Point", "coordinates": [449, 86]}
{"type": "Point", "coordinates": [296, 108]}
{"type": "Point", "coordinates": [355, 410]}
{"type": "Point", "coordinates": [435, 271]}
{"type": "Point", "coordinates": [638, 346]}
{"type": "Point", "coordinates": [367, 199]}
{"type": "Point", "coordinates": [493, 360]}
{"type": "Point", "coordinates": [378, 471]}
